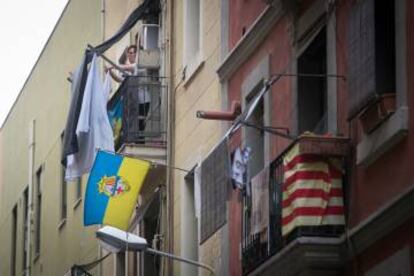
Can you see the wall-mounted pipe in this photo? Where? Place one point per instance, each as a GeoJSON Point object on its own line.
{"type": "Point", "coordinates": [221, 115]}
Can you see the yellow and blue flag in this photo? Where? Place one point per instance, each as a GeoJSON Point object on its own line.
{"type": "Point", "coordinates": [112, 190]}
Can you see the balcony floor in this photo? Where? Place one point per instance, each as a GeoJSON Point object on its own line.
{"type": "Point", "coordinates": [306, 256]}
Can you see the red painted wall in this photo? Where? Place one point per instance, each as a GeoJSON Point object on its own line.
{"type": "Point", "coordinates": [386, 247]}
{"type": "Point", "coordinates": [242, 14]}
{"type": "Point", "coordinates": [280, 95]}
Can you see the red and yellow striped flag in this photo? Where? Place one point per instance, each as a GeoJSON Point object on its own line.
{"type": "Point", "coordinates": [312, 191]}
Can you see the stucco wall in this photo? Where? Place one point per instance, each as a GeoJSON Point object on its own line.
{"type": "Point", "coordinates": [194, 138]}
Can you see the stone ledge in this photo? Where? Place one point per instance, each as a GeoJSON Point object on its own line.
{"type": "Point", "coordinates": [384, 138]}
{"type": "Point", "coordinates": [306, 256]}
{"type": "Point", "coordinates": [387, 218]}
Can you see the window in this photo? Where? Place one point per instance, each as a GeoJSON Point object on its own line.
{"type": "Point", "coordinates": [377, 75]}
{"type": "Point", "coordinates": [13, 241]}
{"type": "Point", "coordinates": [371, 56]}
{"type": "Point", "coordinates": [253, 137]}
{"type": "Point", "coordinates": [312, 96]}
{"type": "Point", "coordinates": [25, 226]}
{"type": "Point", "coordinates": [189, 234]}
{"type": "Point", "coordinates": [151, 231]}
{"type": "Point", "coordinates": [78, 188]}
{"type": "Point", "coordinates": [63, 191]}
{"type": "Point", "coordinates": [63, 196]}
{"type": "Point", "coordinates": [255, 140]}
{"type": "Point", "coordinates": [192, 34]}
{"type": "Point", "coordinates": [38, 211]}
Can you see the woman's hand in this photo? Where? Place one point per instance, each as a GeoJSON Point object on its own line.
{"type": "Point", "coordinates": [106, 68]}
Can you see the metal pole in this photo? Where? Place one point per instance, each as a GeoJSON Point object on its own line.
{"type": "Point", "coordinates": [175, 257]}
{"type": "Point", "coordinates": [107, 60]}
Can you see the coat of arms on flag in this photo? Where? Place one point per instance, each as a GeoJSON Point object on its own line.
{"type": "Point", "coordinates": [113, 187]}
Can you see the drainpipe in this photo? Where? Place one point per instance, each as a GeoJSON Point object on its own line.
{"type": "Point", "coordinates": [30, 199]}
{"type": "Point", "coordinates": [170, 134]}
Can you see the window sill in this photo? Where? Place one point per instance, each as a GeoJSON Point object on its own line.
{"type": "Point", "coordinates": [192, 68]}
{"type": "Point", "coordinates": [61, 224]}
{"type": "Point", "coordinates": [382, 139]}
{"type": "Point", "coordinates": [77, 203]}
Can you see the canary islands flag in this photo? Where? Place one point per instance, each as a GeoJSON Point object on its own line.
{"type": "Point", "coordinates": [112, 190]}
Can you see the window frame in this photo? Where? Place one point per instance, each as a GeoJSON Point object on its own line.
{"type": "Point", "coordinates": [37, 237]}
{"type": "Point", "coordinates": [307, 27]}
{"type": "Point", "coordinates": [193, 62]}
{"type": "Point", "coordinates": [373, 145]}
{"type": "Point", "coordinates": [322, 29]}
{"type": "Point", "coordinates": [250, 88]}
{"type": "Point", "coordinates": [63, 193]}
{"type": "Point", "coordinates": [13, 251]}
{"type": "Point", "coordinates": [25, 227]}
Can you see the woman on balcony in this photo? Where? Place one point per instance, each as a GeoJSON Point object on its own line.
{"type": "Point", "coordinates": [128, 62]}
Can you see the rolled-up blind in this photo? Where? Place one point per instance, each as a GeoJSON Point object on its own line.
{"type": "Point", "coordinates": [361, 57]}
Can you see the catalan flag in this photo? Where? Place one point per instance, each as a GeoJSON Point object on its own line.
{"type": "Point", "coordinates": [312, 191]}
{"type": "Point", "coordinates": [112, 190]}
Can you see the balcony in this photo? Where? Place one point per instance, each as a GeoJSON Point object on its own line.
{"type": "Point", "coordinates": [307, 248]}
{"type": "Point", "coordinates": [137, 113]}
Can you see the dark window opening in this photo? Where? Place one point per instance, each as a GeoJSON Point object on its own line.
{"type": "Point", "coordinates": [13, 240]}
{"type": "Point", "coordinates": [312, 94]}
{"type": "Point", "coordinates": [63, 197]}
{"type": "Point", "coordinates": [385, 47]}
{"type": "Point", "coordinates": [255, 140]}
{"type": "Point", "coordinates": [371, 54]}
{"type": "Point", "coordinates": [78, 188]}
{"type": "Point", "coordinates": [25, 225]}
{"type": "Point", "coordinates": [152, 221]}
{"type": "Point", "coordinates": [190, 222]}
{"type": "Point", "coordinates": [63, 190]}
{"type": "Point", "coordinates": [38, 211]}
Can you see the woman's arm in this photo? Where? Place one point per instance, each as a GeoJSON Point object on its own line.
{"type": "Point", "coordinates": [128, 67]}
{"type": "Point", "coordinates": [114, 76]}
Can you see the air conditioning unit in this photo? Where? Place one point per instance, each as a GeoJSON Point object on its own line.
{"type": "Point", "coordinates": [149, 52]}
{"type": "Point", "coordinates": [149, 36]}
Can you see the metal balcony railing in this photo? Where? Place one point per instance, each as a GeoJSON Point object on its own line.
{"type": "Point", "coordinates": [255, 248]}
{"type": "Point", "coordinates": [137, 112]}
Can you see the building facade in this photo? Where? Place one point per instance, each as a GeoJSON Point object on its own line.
{"type": "Point", "coordinates": [320, 93]}
{"type": "Point", "coordinates": [196, 51]}
{"type": "Point", "coordinates": [334, 66]}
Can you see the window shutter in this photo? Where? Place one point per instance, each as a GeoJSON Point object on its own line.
{"type": "Point", "coordinates": [214, 184]}
{"type": "Point", "coordinates": [361, 57]}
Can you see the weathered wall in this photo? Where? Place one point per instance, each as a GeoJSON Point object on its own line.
{"type": "Point", "coordinates": [194, 138]}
